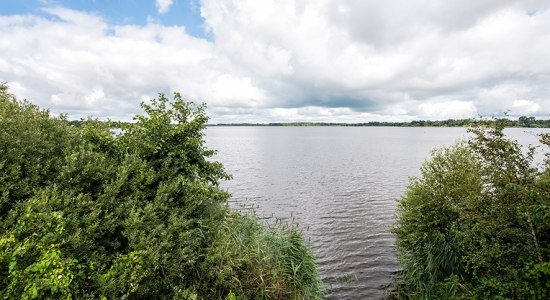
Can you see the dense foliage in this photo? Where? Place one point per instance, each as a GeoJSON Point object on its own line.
{"type": "Point", "coordinates": [112, 210]}
{"type": "Point", "coordinates": [476, 223]}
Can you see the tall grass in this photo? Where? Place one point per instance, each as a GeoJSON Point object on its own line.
{"type": "Point", "coordinates": [251, 260]}
{"type": "Point", "coordinates": [426, 270]}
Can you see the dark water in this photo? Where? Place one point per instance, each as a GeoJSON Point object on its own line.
{"type": "Point", "coordinates": [339, 183]}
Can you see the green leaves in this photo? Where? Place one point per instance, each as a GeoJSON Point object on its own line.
{"type": "Point", "coordinates": [135, 201]}
{"type": "Point", "coordinates": [474, 220]}
{"type": "Point", "coordinates": [33, 146]}
{"type": "Point", "coordinates": [120, 210]}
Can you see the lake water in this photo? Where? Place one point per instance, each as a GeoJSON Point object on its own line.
{"type": "Point", "coordinates": [340, 184]}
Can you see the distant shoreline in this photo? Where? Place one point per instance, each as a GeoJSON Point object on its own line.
{"type": "Point", "coordinates": [522, 122]}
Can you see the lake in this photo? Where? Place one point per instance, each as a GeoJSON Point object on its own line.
{"type": "Point", "coordinates": [340, 184]}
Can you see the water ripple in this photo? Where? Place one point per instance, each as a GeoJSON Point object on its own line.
{"type": "Point", "coordinates": [340, 184]}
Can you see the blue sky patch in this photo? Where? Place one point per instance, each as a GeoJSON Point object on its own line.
{"type": "Point", "coordinates": [121, 12]}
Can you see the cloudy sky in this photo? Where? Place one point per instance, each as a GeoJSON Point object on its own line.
{"type": "Point", "coordinates": [281, 60]}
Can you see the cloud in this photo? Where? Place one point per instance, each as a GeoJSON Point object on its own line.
{"type": "Point", "coordinates": [80, 65]}
{"type": "Point", "coordinates": [525, 107]}
{"type": "Point", "coordinates": [448, 110]}
{"type": "Point", "coordinates": [369, 56]}
{"type": "Point", "coordinates": [269, 60]}
{"type": "Point", "coordinates": [163, 6]}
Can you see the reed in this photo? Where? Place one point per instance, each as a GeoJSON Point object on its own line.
{"type": "Point", "coordinates": [250, 259]}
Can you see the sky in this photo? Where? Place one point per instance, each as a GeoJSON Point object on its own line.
{"type": "Point", "coordinates": [281, 60]}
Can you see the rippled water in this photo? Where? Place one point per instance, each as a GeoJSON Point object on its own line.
{"type": "Point", "coordinates": [339, 183]}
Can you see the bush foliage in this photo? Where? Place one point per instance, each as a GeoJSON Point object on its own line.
{"type": "Point", "coordinates": [111, 210]}
{"type": "Point", "coordinates": [476, 223]}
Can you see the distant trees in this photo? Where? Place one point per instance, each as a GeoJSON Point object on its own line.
{"type": "Point", "coordinates": [111, 210]}
{"type": "Point", "coordinates": [476, 223]}
{"type": "Point", "coordinates": [526, 121]}
{"type": "Point", "coordinates": [522, 122]}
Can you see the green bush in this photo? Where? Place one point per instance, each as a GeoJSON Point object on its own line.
{"type": "Point", "coordinates": [476, 223]}
{"type": "Point", "coordinates": [115, 210]}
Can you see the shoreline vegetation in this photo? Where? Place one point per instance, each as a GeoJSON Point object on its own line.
{"type": "Point", "coordinates": [111, 210]}
{"type": "Point", "coordinates": [523, 122]}
{"type": "Point", "coordinates": [476, 223]}
{"type": "Point", "coordinates": [106, 210]}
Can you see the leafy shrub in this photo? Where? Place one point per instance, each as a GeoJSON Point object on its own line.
{"type": "Point", "coordinates": [114, 210]}
{"type": "Point", "coordinates": [476, 223]}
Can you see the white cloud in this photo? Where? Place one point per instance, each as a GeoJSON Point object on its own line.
{"type": "Point", "coordinates": [274, 60]}
{"type": "Point", "coordinates": [447, 110]}
{"type": "Point", "coordinates": [163, 6]}
{"type": "Point", "coordinates": [228, 87]}
{"type": "Point", "coordinates": [371, 55]}
{"type": "Point", "coordinates": [525, 107]}
{"type": "Point", "coordinates": [82, 66]}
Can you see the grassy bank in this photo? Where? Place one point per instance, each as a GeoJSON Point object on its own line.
{"type": "Point", "coordinates": [112, 210]}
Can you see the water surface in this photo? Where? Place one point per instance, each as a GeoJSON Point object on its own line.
{"type": "Point", "coordinates": [339, 183]}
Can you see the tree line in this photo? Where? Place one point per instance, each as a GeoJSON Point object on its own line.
{"type": "Point", "coordinates": [524, 121]}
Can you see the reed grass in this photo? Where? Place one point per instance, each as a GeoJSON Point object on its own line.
{"type": "Point", "coordinates": [249, 260]}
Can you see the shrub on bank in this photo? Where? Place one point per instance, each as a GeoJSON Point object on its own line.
{"type": "Point", "coordinates": [113, 210]}
{"type": "Point", "coordinates": [476, 223]}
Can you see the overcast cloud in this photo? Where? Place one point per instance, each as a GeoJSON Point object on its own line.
{"type": "Point", "coordinates": [283, 60]}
